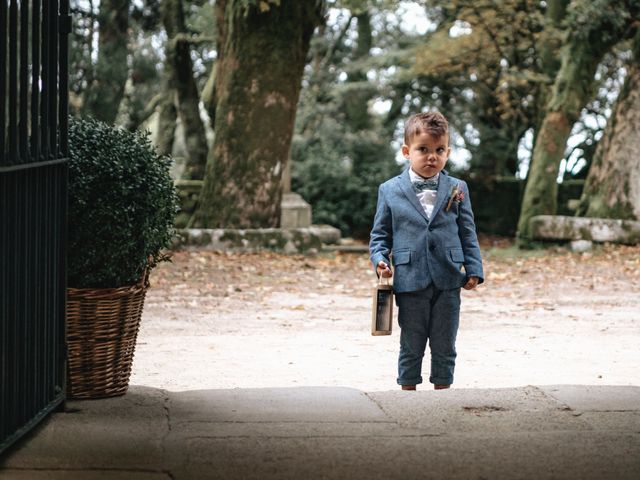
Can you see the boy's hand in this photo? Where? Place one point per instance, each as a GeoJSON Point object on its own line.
{"type": "Point", "coordinates": [472, 283]}
{"type": "Point", "coordinates": [384, 270]}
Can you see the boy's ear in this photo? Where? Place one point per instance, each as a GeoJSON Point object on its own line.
{"type": "Point", "coordinates": [405, 150]}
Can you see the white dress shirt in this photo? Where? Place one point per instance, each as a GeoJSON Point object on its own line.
{"type": "Point", "coordinates": [427, 198]}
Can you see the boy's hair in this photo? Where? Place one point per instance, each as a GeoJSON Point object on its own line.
{"type": "Point", "coordinates": [433, 123]}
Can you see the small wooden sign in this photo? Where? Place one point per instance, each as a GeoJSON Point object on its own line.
{"type": "Point", "coordinates": [382, 314]}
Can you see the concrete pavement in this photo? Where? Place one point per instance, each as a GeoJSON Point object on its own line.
{"type": "Point", "coordinates": [550, 432]}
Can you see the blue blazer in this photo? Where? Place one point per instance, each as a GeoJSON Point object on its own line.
{"type": "Point", "coordinates": [443, 251]}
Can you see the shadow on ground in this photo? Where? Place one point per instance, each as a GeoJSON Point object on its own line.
{"type": "Point", "coordinates": [566, 431]}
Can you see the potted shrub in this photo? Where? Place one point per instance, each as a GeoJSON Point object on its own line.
{"type": "Point", "coordinates": [122, 203]}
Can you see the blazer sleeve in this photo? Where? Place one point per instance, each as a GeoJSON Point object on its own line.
{"type": "Point", "coordinates": [469, 238]}
{"type": "Point", "coordinates": [381, 239]}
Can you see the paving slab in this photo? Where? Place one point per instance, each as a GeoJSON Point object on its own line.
{"type": "Point", "coordinates": [478, 410]}
{"type": "Point", "coordinates": [184, 430]}
{"type": "Point", "coordinates": [93, 433]}
{"type": "Point", "coordinates": [300, 404]}
{"type": "Point", "coordinates": [613, 421]}
{"type": "Point", "coordinates": [333, 432]}
{"type": "Point", "coordinates": [100, 444]}
{"type": "Point", "coordinates": [600, 398]}
{"type": "Point", "coordinates": [138, 402]}
{"type": "Point", "coordinates": [81, 475]}
{"type": "Point", "coordinates": [528, 455]}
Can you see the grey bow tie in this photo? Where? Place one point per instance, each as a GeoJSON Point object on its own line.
{"type": "Point", "coordinates": [422, 185]}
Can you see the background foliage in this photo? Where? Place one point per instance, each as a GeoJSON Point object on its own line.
{"type": "Point", "coordinates": [488, 65]}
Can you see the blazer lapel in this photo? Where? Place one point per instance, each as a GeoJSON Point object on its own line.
{"type": "Point", "coordinates": [407, 189]}
{"type": "Point", "coordinates": [445, 187]}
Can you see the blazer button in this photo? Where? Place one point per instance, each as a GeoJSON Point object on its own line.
{"type": "Point", "coordinates": [432, 247]}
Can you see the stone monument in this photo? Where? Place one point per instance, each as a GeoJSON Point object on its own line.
{"type": "Point", "coordinates": [295, 212]}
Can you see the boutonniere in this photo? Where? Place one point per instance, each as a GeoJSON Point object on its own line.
{"type": "Point", "coordinates": [457, 195]}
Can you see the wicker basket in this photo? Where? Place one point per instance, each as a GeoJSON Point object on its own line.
{"type": "Point", "coordinates": [102, 327]}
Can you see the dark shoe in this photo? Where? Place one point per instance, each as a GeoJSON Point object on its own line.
{"type": "Point", "coordinates": [441, 387]}
{"type": "Point", "coordinates": [408, 387]}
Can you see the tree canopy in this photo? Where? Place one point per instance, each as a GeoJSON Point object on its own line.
{"type": "Point", "coordinates": [528, 87]}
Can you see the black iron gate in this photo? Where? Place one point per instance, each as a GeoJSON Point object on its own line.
{"type": "Point", "coordinates": [33, 196]}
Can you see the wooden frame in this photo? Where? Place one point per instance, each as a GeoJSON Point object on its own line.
{"type": "Point", "coordinates": [382, 310]}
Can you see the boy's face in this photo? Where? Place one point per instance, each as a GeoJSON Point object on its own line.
{"type": "Point", "coordinates": [427, 153]}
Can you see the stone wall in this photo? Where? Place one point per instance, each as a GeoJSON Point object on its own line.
{"type": "Point", "coordinates": [289, 240]}
{"type": "Point", "coordinates": [563, 228]}
{"type": "Point", "coordinates": [188, 192]}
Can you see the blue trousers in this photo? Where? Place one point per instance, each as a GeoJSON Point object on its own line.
{"type": "Point", "coordinates": [432, 315]}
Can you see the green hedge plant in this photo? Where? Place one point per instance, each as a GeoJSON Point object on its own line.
{"type": "Point", "coordinates": [122, 203]}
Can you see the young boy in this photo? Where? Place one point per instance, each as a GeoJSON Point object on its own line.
{"type": "Point", "coordinates": [424, 224]}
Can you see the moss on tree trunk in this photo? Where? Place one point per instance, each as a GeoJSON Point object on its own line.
{"type": "Point", "coordinates": [208, 96]}
{"type": "Point", "coordinates": [612, 189]}
{"type": "Point", "coordinates": [167, 116]}
{"type": "Point", "coordinates": [258, 80]}
{"type": "Point", "coordinates": [550, 44]}
{"type": "Point", "coordinates": [103, 96]}
{"type": "Point", "coordinates": [180, 77]}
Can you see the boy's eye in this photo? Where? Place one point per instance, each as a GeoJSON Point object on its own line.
{"type": "Point", "coordinates": [440, 151]}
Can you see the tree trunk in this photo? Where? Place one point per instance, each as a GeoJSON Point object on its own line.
{"type": "Point", "coordinates": [180, 77]}
{"type": "Point", "coordinates": [357, 100]}
{"type": "Point", "coordinates": [551, 36]}
{"type": "Point", "coordinates": [167, 116]}
{"type": "Point", "coordinates": [209, 98]}
{"type": "Point", "coordinates": [258, 82]}
{"type": "Point", "coordinates": [571, 92]}
{"type": "Point", "coordinates": [612, 189]}
{"type": "Point", "coordinates": [572, 89]}
{"type": "Point", "coordinates": [103, 96]}
{"type": "Point", "coordinates": [549, 47]}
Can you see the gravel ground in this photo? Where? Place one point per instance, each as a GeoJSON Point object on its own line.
{"type": "Point", "coordinates": [219, 320]}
